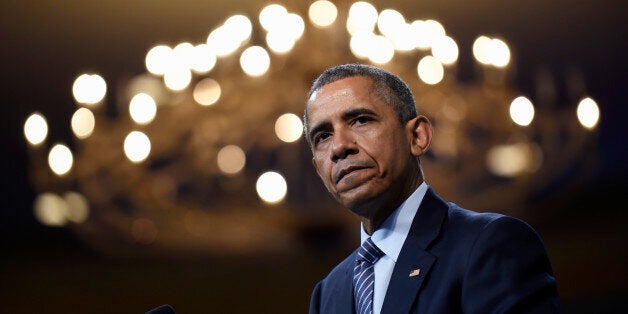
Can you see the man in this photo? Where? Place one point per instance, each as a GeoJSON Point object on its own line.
{"type": "Point", "coordinates": [419, 253]}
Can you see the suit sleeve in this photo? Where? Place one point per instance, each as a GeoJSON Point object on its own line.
{"type": "Point", "coordinates": [508, 271]}
{"type": "Point", "coordinates": [315, 299]}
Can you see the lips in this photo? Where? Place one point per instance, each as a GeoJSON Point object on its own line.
{"type": "Point", "coordinates": [342, 172]}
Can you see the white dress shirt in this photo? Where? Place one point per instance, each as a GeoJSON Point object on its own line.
{"type": "Point", "coordinates": [390, 238]}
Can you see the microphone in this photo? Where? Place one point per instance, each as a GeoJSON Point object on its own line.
{"type": "Point", "coordinates": [162, 309]}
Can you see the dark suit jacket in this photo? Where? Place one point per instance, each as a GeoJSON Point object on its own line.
{"type": "Point", "coordinates": [469, 263]}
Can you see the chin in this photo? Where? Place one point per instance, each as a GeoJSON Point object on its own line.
{"type": "Point", "coordinates": [361, 205]}
{"type": "Point", "coordinates": [363, 198]}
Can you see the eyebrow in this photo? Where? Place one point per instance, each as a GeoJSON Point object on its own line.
{"type": "Point", "coordinates": [347, 115]}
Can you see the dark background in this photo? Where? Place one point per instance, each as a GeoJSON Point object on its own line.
{"type": "Point", "coordinates": [46, 44]}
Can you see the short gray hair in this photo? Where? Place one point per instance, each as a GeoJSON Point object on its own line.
{"type": "Point", "coordinates": [389, 87]}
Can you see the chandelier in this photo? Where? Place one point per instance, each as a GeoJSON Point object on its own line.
{"type": "Point", "coordinates": [203, 151]}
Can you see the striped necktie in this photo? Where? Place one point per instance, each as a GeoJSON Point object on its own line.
{"type": "Point", "coordinates": [364, 276]}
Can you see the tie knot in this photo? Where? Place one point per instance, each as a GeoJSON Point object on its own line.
{"type": "Point", "coordinates": [369, 252]}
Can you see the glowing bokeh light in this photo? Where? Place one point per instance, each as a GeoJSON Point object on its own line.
{"type": "Point", "coordinates": [203, 59]}
{"type": "Point", "coordinates": [430, 70]}
{"type": "Point", "coordinates": [509, 160]}
{"type": "Point", "coordinates": [239, 26]}
{"type": "Point", "coordinates": [481, 50]}
{"type": "Point", "coordinates": [177, 78]}
{"type": "Point", "coordinates": [522, 111]}
{"type": "Point", "coordinates": [231, 159]}
{"type": "Point", "coordinates": [60, 159]}
{"type": "Point", "coordinates": [499, 53]}
{"type": "Point", "coordinates": [360, 44]}
{"type": "Point", "coordinates": [271, 15]}
{"type": "Point", "coordinates": [294, 25]}
{"type": "Point", "coordinates": [50, 209]}
{"type": "Point", "coordinates": [149, 84]}
{"type": "Point", "coordinates": [230, 36]}
{"type": "Point", "coordinates": [362, 17]}
{"type": "Point", "coordinates": [89, 89]}
{"type": "Point", "coordinates": [158, 59]}
{"type": "Point", "coordinates": [445, 50]}
{"type": "Point", "coordinates": [184, 54]}
{"type": "Point", "coordinates": [421, 34]}
{"type": "Point", "coordinates": [389, 21]}
{"type": "Point", "coordinates": [271, 187]}
{"type": "Point", "coordinates": [381, 51]}
{"type": "Point", "coordinates": [255, 61]}
{"type": "Point", "coordinates": [35, 128]}
{"type": "Point", "coordinates": [288, 127]}
{"type": "Point", "coordinates": [142, 108]}
{"type": "Point", "coordinates": [207, 92]}
{"type": "Point", "coordinates": [436, 28]}
{"type": "Point", "coordinates": [491, 51]}
{"type": "Point", "coordinates": [588, 113]}
{"type": "Point", "coordinates": [137, 146]}
{"type": "Point", "coordinates": [284, 32]}
{"type": "Point", "coordinates": [78, 207]}
{"type": "Point", "coordinates": [83, 123]}
{"type": "Point", "coordinates": [222, 42]}
{"type": "Point", "coordinates": [322, 13]}
{"type": "Point", "coordinates": [279, 42]}
{"type": "Point", "coordinates": [403, 38]}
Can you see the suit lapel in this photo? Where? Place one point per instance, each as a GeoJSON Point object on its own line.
{"type": "Point", "coordinates": [403, 288]}
{"type": "Point", "coordinates": [342, 294]}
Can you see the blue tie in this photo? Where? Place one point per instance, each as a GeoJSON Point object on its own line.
{"type": "Point", "coordinates": [364, 276]}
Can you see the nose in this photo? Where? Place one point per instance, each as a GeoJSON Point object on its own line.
{"type": "Point", "coordinates": [344, 144]}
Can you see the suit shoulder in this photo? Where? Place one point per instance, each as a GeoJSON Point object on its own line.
{"type": "Point", "coordinates": [475, 225]}
{"type": "Point", "coordinates": [483, 220]}
{"type": "Point", "coordinates": [506, 257]}
{"type": "Point", "coordinates": [464, 217]}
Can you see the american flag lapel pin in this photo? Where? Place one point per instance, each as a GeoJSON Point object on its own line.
{"type": "Point", "coordinates": [415, 272]}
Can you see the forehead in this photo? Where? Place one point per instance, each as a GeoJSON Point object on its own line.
{"type": "Point", "coordinates": [342, 95]}
{"type": "Point", "coordinates": [342, 87]}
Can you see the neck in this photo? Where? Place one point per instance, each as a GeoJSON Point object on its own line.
{"type": "Point", "coordinates": [371, 224]}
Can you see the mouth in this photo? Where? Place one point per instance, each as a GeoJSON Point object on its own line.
{"type": "Point", "coordinates": [346, 171]}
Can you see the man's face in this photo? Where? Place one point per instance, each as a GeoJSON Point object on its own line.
{"type": "Point", "coordinates": [361, 151]}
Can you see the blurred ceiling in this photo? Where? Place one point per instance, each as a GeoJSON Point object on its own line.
{"type": "Point", "coordinates": [113, 36]}
{"type": "Point", "coordinates": [46, 44]}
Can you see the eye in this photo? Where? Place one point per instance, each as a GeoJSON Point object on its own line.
{"type": "Point", "coordinates": [321, 137]}
{"type": "Point", "coordinates": [362, 120]}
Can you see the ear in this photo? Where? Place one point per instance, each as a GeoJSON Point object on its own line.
{"type": "Point", "coordinates": [420, 134]}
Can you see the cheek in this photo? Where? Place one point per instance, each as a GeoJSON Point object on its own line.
{"type": "Point", "coordinates": [377, 146]}
{"type": "Point", "coordinates": [323, 169]}
{"type": "Point", "coordinates": [384, 154]}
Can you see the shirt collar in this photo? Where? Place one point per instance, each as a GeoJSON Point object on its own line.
{"type": "Point", "coordinates": [391, 235]}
